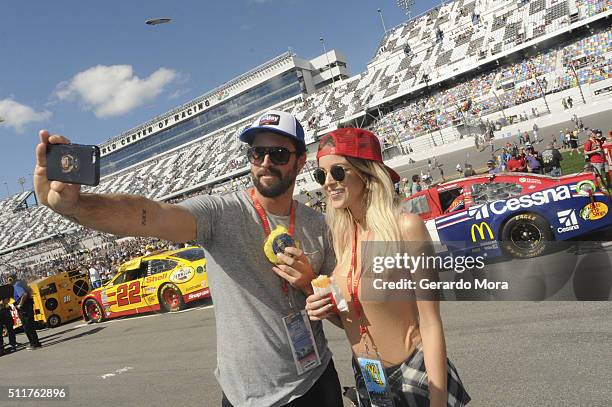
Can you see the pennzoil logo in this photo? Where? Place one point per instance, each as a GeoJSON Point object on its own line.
{"type": "Point", "coordinates": [374, 373]}
{"type": "Point", "coordinates": [481, 228]}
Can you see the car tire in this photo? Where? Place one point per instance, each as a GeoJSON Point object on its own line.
{"type": "Point", "coordinates": [93, 311]}
{"type": "Point", "coordinates": [170, 298]}
{"type": "Point", "coordinates": [53, 321]}
{"type": "Point", "coordinates": [526, 235]}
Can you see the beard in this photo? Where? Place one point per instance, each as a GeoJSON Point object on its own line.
{"type": "Point", "coordinates": [278, 187]}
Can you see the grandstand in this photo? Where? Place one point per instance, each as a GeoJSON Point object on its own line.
{"type": "Point", "coordinates": [455, 66]}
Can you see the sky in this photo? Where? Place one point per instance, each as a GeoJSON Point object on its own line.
{"type": "Point", "coordinates": [92, 70]}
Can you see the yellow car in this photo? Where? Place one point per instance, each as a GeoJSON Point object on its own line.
{"type": "Point", "coordinates": [58, 298]}
{"type": "Point", "coordinates": [165, 280]}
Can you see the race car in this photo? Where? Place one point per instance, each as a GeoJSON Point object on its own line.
{"type": "Point", "coordinates": [165, 280]}
{"type": "Point", "coordinates": [509, 213]}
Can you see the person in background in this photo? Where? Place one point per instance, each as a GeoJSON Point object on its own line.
{"type": "Point", "coordinates": [532, 160]}
{"type": "Point", "coordinates": [503, 159]}
{"type": "Point", "coordinates": [551, 161]}
{"type": "Point", "coordinates": [594, 154]}
{"type": "Point", "coordinates": [516, 164]}
{"type": "Point", "coordinates": [573, 141]}
{"type": "Point", "coordinates": [24, 303]}
{"type": "Point", "coordinates": [491, 168]}
{"type": "Point", "coordinates": [535, 133]}
{"type": "Point", "coordinates": [468, 170]}
{"type": "Point", "coordinates": [6, 321]}
{"type": "Point", "coordinates": [416, 184]}
{"type": "Point", "coordinates": [405, 188]}
{"type": "Point", "coordinates": [94, 276]}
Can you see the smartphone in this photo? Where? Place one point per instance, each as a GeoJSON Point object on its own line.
{"type": "Point", "coordinates": [73, 163]}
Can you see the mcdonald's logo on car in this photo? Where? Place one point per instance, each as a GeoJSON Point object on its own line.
{"type": "Point", "coordinates": [481, 228]}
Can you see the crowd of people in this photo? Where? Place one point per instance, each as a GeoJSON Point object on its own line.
{"type": "Point", "coordinates": [503, 88]}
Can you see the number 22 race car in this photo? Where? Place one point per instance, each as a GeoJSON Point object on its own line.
{"type": "Point", "coordinates": [511, 214]}
{"type": "Point", "coordinates": [164, 281]}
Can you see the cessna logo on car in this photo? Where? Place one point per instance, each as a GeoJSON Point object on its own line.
{"type": "Point", "coordinates": [481, 227]}
{"type": "Point", "coordinates": [568, 219]}
{"type": "Point", "coordinates": [538, 198]}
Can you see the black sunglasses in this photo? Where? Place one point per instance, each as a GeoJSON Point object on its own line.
{"type": "Point", "coordinates": [278, 155]}
{"type": "Point", "coordinates": [337, 172]}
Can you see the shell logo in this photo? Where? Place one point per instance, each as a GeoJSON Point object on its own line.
{"type": "Point", "coordinates": [182, 275]}
{"type": "Point", "coordinates": [594, 211]}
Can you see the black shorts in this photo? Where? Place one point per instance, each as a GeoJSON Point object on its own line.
{"type": "Point", "coordinates": [573, 144]}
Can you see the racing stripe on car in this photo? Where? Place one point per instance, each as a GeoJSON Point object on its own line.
{"type": "Point", "coordinates": [453, 216]}
{"type": "Point", "coordinates": [453, 223]}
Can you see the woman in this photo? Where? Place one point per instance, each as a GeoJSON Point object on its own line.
{"type": "Point", "coordinates": [405, 336]}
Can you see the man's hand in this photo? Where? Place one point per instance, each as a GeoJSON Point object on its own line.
{"type": "Point", "coordinates": [296, 269]}
{"type": "Point", "coordinates": [59, 196]}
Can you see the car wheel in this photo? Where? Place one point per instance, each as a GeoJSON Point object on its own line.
{"type": "Point", "coordinates": [93, 311]}
{"type": "Point", "coordinates": [526, 235]}
{"type": "Point", "coordinates": [53, 321]}
{"type": "Point", "coordinates": [171, 298]}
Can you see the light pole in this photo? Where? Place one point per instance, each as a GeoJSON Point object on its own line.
{"type": "Point", "coordinates": [382, 20]}
{"type": "Point", "coordinates": [571, 64]}
{"type": "Point", "coordinates": [21, 181]}
{"type": "Point", "coordinates": [501, 105]}
{"type": "Point", "coordinates": [426, 79]}
{"type": "Point", "coordinates": [535, 76]}
{"type": "Point", "coordinates": [328, 63]}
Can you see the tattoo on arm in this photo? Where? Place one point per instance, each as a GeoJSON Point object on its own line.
{"type": "Point", "coordinates": [144, 217]}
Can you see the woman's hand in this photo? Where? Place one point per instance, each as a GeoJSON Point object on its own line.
{"type": "Point", "coordinates": [319, 307]}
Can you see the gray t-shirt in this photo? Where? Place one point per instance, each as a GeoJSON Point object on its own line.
{"type": "Point", "coordinates": [255, 366]}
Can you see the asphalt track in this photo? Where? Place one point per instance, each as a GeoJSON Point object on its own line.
{"type": "Point", "coordinates": [508, 354]}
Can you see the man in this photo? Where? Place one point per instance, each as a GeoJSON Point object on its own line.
{"type": "Point", "coordinates": [594, 153]}
{"type": "Point", "coordinates": [468, 170]}
{"type": "Point", "coordinates": [516, 164]}
{"type": "Point", "coordinates": [23, 302]}
{"type": "Point", "coordinates": [491, 168]}
{"type": "Point", "coordinates": [256, 304]}
{"type": "Point", "coordinates": [6, 320]}
{"type": "Point", "coordinates": [405, 188]}
{"type": "Point", "coordinates": [503, 159]}
{"type": "Point", "coordinates": [535, 133]}
{"type": "Point", "coordinates": [551, 160]}
{"type": "Point", "coordinates": [532, 160]}
{"type": "Point", "coordinates": [94, 276]}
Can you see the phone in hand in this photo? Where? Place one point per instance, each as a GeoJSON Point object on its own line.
{"type": "Point", "coordinates": [73, 163]}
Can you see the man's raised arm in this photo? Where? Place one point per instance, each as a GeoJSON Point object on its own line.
{"type": "Point", "coordinates": [119, 214]}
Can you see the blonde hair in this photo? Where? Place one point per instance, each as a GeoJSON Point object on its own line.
{"type": "Point", "coordinates": [381, 205]}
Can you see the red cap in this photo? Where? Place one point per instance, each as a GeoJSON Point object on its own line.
{"type": "Point", "coordinates": [356, 143]}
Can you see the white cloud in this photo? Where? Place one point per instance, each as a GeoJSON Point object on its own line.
{"type": "Point", "coordinates": [114, 90]}
{"type": "Point", "coordinates": [16, 115]}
